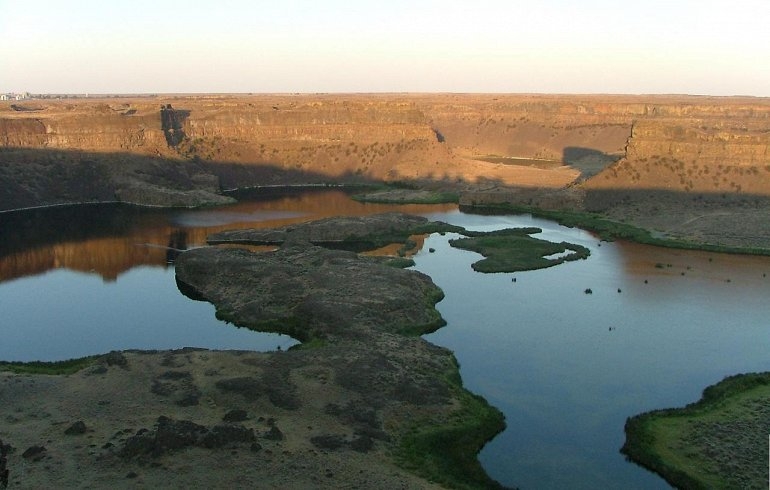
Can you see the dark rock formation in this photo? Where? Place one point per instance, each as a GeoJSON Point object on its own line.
{"type": "Point", "coordinates": [290, 291]}
{"type": "Point", "coordinates": [273, 434]}
{"type": "Point", "coordinates": [178, 385]}
{"type": "Point", "coordinates": [34, 453]}
{"type": "Point", "coordinates": [77, 428]}
{"type": "Point", "coordinates": [172, 123]}
{"type": "Point", "coordinates": [236, 415]}
{"type": "Point", "coordinates": [171, 435]}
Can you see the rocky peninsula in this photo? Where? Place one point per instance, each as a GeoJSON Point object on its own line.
{"type": "Point", "coordinates": [364, 401]}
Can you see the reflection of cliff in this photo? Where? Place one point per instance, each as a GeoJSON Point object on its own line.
{"type": "Point", "coordinates": [111, 241]}
{"type": "Point", "coordinates": [107, 257]}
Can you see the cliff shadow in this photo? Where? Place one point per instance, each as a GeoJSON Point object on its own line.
{"type": "Point", "coordinates": [655, 200]}
{"type": "Point", "coordinates": [46, 177]}
{"type": "Point", "coordinates": [172, 122]}
{"type": "Point", "coordinates": [587, 161]}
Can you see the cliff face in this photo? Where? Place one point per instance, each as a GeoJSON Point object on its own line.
{"type": "Point", "coordinates": [706, 148]}
{"type": "Point", "coordinates": [664, 142]}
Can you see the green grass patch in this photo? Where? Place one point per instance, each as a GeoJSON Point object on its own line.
{"type": "Point", "coordinates": [446, 451]}
{"type": "Point", "coordinates": [513, 250]}
{"type": "Point", "coordinates": [401, 195]}
{"type": "Point", "coordinates": [383, 238]}
{"type": "Point", "coordinates": [69, 366]}
{"type": "Point", "coordinates": [718, 442]}
{"type": "Point", "coordinates": [435, 322]}
{"type": "Point", "coordinates": [610, 230]}
{"type": "Point", "coordinates": [398, 262]}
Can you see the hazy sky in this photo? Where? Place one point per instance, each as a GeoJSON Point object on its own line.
{"type": "Point", "coordinates": [550, 46]}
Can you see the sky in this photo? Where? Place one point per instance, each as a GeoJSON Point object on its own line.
{"type": "Point", "coordinates": [284, 46]}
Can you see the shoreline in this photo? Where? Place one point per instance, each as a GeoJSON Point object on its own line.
{"type": "Point", "coordinates": [581, 226]}
{"type": "Point", "coordinates": [364, 396]}
{"type": "Point", "coordinates": [715, 442]}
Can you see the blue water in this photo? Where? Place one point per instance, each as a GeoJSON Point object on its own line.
{"type": "Point", "coordinates": [63, 314]}
{"type": "Point", "coordinates": [565, 367]}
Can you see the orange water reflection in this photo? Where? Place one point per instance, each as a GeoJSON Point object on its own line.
{"type": "Point", "coordinates": [154, 238]}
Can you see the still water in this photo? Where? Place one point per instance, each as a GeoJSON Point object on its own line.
{"type": "Point", "coordinates": [564, 366]}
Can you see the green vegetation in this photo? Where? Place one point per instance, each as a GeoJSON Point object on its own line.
{"type": "Point", "coordinates": [69, 366]}
{"type": "Point", "coordinates": [435, 322]}
{"type": "Point", "coordinates": [374, 241]}
{"type": "Point", "coordinates": [610, 230]}
{"type": "Point", "coordinates": [718, 442]}
{"type": "Point", "coordinates": [513, 250]}
{"type": "Point", "coordinates": [444, 451]}
{"type": "Point", "coordinates": [401, 193]}
{"type": "Point", "coordinates": [398, 262]}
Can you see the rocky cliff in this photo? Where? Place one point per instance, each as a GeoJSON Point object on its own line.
{"type": "Point", "coordinates": [678, 143]}
{"type": "Point", "coordinates": [717, 147]}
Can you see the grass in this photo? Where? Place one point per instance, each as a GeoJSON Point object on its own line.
{"type": "Point", "coordinates": [445, 451]}
{"type": "Point", "coordinates": [399, 262]}
{"type": "Point", "coordinates": [611, 230]}
{"type": "Point", "coordinates": [718, 442]}
{"type": "Point", "coordinates": [374, 241]}
{"type": "Point", "coordinates": [69, 366]}
{"type": "Point", "coordinates": [436, 321]}
{"type": "Point", "coordinates": [513, 250]}
{"type": "Point", "coordinates": [399, 194]}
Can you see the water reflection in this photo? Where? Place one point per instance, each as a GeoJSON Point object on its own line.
{"type": "Point", "coordinates": [565, 367]}
{"type": "Point", "coordinates": [570, 367]}
{"type": "Point", "coordinates": [51, 261]}
{"type": "Point", "coordinates": [111, 239]}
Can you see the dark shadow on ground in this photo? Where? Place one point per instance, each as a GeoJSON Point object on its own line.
{"type": "Point", "coordinates": [587, 160]}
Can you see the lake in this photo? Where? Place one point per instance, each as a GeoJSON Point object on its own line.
{"type": "Point", "coordinates": [567, 368]}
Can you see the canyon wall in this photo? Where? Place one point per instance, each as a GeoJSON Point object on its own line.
{"type": "Point", "coordinates": [718, 147]}
{"type": "Point", "coordinates": [201, 144]}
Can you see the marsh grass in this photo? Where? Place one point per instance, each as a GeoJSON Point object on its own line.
{"type": "Point", "coordinates": [513, 250]}
{"type": "Point", "coordinates": [718, 442]}
{"type": "Point", "coordinates": [68, 366]}
{"type": "Point", "coordinates": [445, 451]}
{"type": "Point", "coordinates": [609, 230]}
{"type": "Point", "coordinates": [381, 239]}
{"type": "Point", "coordinates": [399, 194]}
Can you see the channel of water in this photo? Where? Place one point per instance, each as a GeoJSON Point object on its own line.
{"type": "Point", "coordinates": [564, 366]}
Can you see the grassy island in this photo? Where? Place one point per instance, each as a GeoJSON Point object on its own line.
{"type": "Point", "coordinates": [513, 250]}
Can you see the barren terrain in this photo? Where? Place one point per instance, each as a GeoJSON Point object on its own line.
{"type": "Point", "coordinates": [365, 403]}
{"type": "Point", "coordinates": [611, 154]}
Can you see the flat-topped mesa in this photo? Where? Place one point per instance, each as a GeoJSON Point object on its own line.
{"type": "Point", "coordinates": [454, 139]}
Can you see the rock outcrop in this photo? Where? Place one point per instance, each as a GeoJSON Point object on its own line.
{"type": "Point", "coordinates": [687, 144]}
{"type": "Point", "coordinates": [360, 404]}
